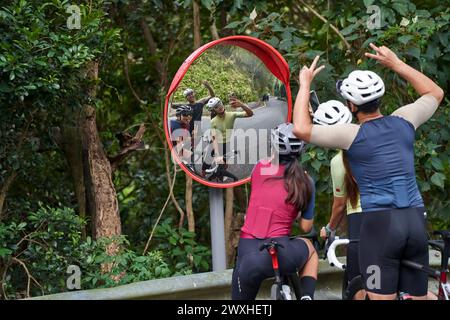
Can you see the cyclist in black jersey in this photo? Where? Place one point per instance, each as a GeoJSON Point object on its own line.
{"type": "Point", "coordinates": [381, 157]}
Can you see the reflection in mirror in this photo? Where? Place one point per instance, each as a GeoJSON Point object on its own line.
{"type": "Point", "coordinates": [221, 115]}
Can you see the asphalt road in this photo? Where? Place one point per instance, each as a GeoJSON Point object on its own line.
{"type": "Point", "coordinates": [252, 145]}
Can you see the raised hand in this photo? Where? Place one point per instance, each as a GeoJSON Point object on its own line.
{"type": "Point", "coordinates": [385, 56]}
{"type": "Point", "coordinates": [235, 103]}
{"type": "Point", "coordinates": [307, 74]}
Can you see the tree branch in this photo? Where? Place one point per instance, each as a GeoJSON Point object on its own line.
{"type": "Point", "coordinates": [329, 23]}
{"type": "Point", "coordinates": [128, 144]}
{"type": "Point", "coordinates": [30, 277]}
{"type": "Point", "coordinates": [152, 48]}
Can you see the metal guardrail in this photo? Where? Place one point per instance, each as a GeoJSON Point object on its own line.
{"type": "Point", "coordinates": [208, 285]}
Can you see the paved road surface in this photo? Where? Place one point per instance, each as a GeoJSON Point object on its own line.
{"type": "Point", "coordinates": [266, 118]}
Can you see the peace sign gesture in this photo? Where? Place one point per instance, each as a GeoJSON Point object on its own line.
{"type": "Point", "coordinates": [307, 74]}
{"type": "Point", "coordinates": [385, 56]}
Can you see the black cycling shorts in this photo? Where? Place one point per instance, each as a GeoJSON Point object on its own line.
{"type": "Point", "coordinates": [253, 265]}
{"type": "Point", "coordinates": [354, 226]}
{"type": "Point", "coordinates": [386, 238]}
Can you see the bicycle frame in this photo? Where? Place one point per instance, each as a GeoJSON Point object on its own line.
{"type": "Point", "coordinates": [282, 291]}
{"type": "Point", "coordinates": [440, 276]}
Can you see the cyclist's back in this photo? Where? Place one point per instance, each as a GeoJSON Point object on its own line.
{"type": "Point", "coordinates": [270, 216]}
{"type": "Point", "coordinates": [382, 161]}
{"type": "Point", "coordinates": [381, 155]}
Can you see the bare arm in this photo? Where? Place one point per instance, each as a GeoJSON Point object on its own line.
{"type": "Point", "coordinates": [210, 90]}
{"type": "Point", "coordinates": [302, 120]}
{"type": "Point", "coordinates": [420, 82]}
{"type": "Point", "coordinates": [306, 225]}
{"type": "Point", "coordinates": [235, 103]}
{"type": "Point", "coordinates": [337, 211]}
{"type": "Point", "coordinates": [175, 105]}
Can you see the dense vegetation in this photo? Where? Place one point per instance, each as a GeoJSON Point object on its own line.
{"type": "Point", "coordinates": [117, 67]}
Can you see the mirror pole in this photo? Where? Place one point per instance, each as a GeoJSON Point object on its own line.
{"type": "Point", "coordinates": [217, 229]}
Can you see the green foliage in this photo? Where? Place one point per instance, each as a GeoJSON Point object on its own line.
{"type": "Point", "coordinates": [42, 65]}
{"type": "Point", "coordinates": [181, 248]}
{"type": "Point", "coordinates": [417, 32]}
{"type": "Point", "coordinates": [49, 240]}
{"type": "Point", "coordinates": [42, 79]}
{"type": "Point", "coordinates": [226, 72]}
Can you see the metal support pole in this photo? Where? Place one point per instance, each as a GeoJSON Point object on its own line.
{"type": "Point", "coordinates": [217, 229]}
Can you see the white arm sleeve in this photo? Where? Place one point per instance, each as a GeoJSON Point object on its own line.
{"type": "Point", "coordinates": [339, 136]}
{"type": "Point", "coordinates": [419, 111]}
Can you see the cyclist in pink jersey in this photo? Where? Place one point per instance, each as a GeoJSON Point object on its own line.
{"type": "Point", "coordinates": [282, 192]}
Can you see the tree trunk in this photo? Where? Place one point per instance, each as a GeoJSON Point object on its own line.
{"type": "Point", "coordinates": [153, 50]}
{"type": "Point", "coordinates": [70, 143]}
{"type": "Point", "coordinates": [189, 209]}
{"type": "Point", "coordinates": [213, 27]}
{"type": "Point", "coordinates": [4, 190]}
{"type": "Point", "coordinates": [101, 198]}
{"type": "Point", "coordinates": [90, 166]}
{"type": "Point", "coordinates": [197, 35]}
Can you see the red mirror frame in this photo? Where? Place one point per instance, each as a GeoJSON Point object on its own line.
{"type": "Point", "coordinates": [271, 58]}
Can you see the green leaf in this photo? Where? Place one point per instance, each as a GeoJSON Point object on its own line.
{"type": "Point", "coordinates": [414, 51]}
{"type": "Point", "coordinates": [5, 252]}
{"type": "Point", "coordinates": [425, 187]}
{"type": "Point", "coordinates": [368, 2]}
{"type": "Point", "coordinates": [207, 4]}
{"type": "Point", "coordinates": [353, 37]}
{"type": "Point", "coordinates": [285, 45]}
{"type": "Point", "coordinates": [316, 164]}
{"type": "Point", "coordinates": [405, 39]}
{"type": "Point", "coordinates": [273, 41]}
{"type": "Point", "coordinates": [401, 8]}
{"type": "Point", "coordinates": [233, 25]}
{"type": "Point", "coordinates": [443, 38]}
{"type": "Point", "coordinates": [437, 164]}
{"type": "Point", "coordinates": [173, 241]}
{"type": "Point", "coordinates": [438, 179]}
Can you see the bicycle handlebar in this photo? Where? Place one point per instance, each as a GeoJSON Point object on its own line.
{"type": "Point", "coordinates": [331, 253]}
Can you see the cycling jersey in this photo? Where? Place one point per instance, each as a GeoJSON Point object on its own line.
{"type": "Point", "coordinates": [381, 154]}
{"type": "Point", "coordinates": [225, 125]}
{"type": "Point", "coordinates": [197, 112]}
{"type": "Point", "coordinates": [268, 215]}
{"type": "Point", "coordinates": [338, 178]}
{"type": "Point", "coordinates": [177, 130]}
{"type": "Point", "coordinates": [354, 214]}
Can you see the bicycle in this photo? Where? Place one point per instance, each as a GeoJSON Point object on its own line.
{"type": "Point", "coordinates": [356, 284]}
{"type": "Point", "coordinates": [286, 287]}
{"type": "Point", "coordinates": [214, 171]}
{"type": "Point", "coordinates": [219, 172]}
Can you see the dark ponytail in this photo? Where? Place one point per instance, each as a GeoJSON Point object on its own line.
{"type": "Point", "coordinates": [297, 183]}
{"type": "Point", "coordinates": [350, 183]}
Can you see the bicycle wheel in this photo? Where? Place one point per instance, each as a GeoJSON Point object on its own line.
{"type": "Point", "coordinates": [293, 281]}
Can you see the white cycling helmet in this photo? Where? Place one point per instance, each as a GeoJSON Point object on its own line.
{"type": "Point", "coordinates": [332, 112]}
{"type": "Point", "coordinates": [187, 92]}
{"type": "Point", "coordinates": [361, 86]}
{"type": "Point", "coordinates": [213, 103]}
{"type": "Point", "coordinates": [284, 140]}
